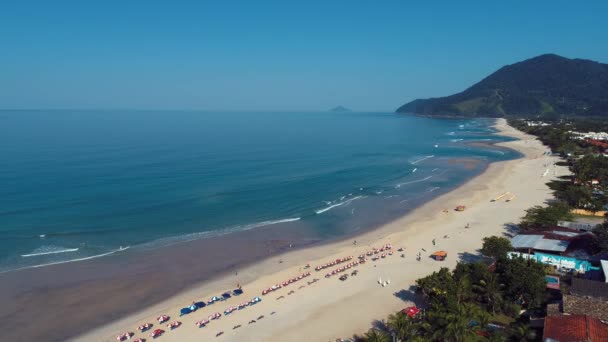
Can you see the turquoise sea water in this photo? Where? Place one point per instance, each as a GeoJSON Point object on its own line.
{"type": "Point", "coordinates": [80, 184]}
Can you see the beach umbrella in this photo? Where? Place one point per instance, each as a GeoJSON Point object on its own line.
{"type": "Point", "coordinates": [226, 295]}
{"type": "Point", "coordinates": [411, 311]}
{"type": "Point", "coordinates": [184, 311]}
{"type": "Point", "coordinates": [237, 292]}
{"type": "Point", "coordinates": [200, 304]}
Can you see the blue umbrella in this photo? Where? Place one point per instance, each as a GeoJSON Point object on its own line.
{"type": "Point", "coordinates": [185, 311]}
{"type": "Point", "coordinates": [200, 304]}
{"type": "Point", "coordinates": [226, 295]}
{"type": "Point", "coordinates": [237, 292]}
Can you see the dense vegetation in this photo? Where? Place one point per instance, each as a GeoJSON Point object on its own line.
{"type": "Point", "coordinates": [586, 163]}
{"type": "Point", "coordinates": [547, 85]}
{"type": "Point", "coordinates": [477, 303]}
{"type": "Point", "coordinates": [462, 304]}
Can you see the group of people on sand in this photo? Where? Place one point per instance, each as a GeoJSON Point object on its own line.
{"type": "Point", "coordinates": [333, 263]}
{"type": "Point", "coordinates": [342, 268]}
{"type": "Point", "coordinates": [285, 283]}
{"type": "Point", "coordinates": [384, 250]}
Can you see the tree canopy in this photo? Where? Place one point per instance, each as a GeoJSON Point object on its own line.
{"type": "Point", "coordinates": [496, 247]}
{"type": "Point", "coordinates": [591, 167]}
{"type": "Point", "coordinates": [546, 216]}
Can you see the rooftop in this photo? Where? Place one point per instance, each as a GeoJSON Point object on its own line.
{"type": "Point", "coordinates": [589, 288]}
{"type": "Point", "coordinates": [576, 305]}
{"type": "Point", "coordinates": [539, 242]}
{"type": "Point", "coordinates": [574, 328]}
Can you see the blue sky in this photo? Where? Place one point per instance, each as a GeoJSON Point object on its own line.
{"type": "Point", "coordinates": [279, 55]}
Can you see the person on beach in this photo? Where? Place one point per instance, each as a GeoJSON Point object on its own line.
{"type": "Point", "coordinates": [433, 242]}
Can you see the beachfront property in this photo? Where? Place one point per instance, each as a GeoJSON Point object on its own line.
{"type": "Point", "coordinates": [574, 328]}
{"type": "Point", "coordinates": [538, 242]}
{"type": "Point", "coordinates": [559, 247]}
{"type": "Point", "coordinates": [581, 313]}
{"type": "Point", "coordinates": [580, 226]}
{"type": "Point", "coordinates": [589, 135]}
{"type": "Point", "coordinates": [531, 123]}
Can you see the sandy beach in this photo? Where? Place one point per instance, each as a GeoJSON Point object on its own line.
{"type": "Point", "coordinates": [330, 308]}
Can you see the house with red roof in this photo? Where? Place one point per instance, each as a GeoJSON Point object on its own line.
{"type": "Point", "coordinates": [574, 328]}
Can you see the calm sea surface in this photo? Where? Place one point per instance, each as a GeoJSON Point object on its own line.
{"type": "Point", "coordinates": [82, 184]}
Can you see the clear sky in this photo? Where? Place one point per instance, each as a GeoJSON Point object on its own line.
{"type": "Point", "coordinates": [280, 55]}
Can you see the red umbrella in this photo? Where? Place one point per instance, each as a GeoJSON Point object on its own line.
{"type": "Point", "coordinates": [411, 311]}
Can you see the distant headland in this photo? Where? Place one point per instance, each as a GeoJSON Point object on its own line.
{"type": "Point", "coordinates": [546, 85]}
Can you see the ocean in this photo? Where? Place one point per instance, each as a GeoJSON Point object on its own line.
{"type": "Point", "coordinates": [77, 185]}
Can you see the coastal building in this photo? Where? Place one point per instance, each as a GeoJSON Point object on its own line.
{"type": "Point", "coordinates": [558, 261]}
{"type": "Point", "coordinates": [533, 242]}
{"type": "Point", "coordinates": [589, 135]}
{"type": "Point", "coordinates": [576, 305]}
{"type": "Point", "coordinates": [604, 264]}
{"type": "Point", "coordinates": [589, 289]}
{"type": "Point", "coordinates": [574, 328]}
{"type": "Point", "coordinates": [580, 226]}
{"type": "Point", "coordinates": [531, 123]}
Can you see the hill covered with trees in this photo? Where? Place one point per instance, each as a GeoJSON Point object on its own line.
{"type": "Point", "coordinates": [547, 85]}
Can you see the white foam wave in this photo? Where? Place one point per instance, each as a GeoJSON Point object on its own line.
{"type": "Point", "coordinates": [456, 140]}
{"type": "Point", "coordinates": [434, 188]}
{"type": "Point", "coordinates": [414, 170]}
{"type": "Point", "coordinates": [414, 181]}
{"type": "Point", "coordinates": [450, 133]}
{"type": "Point", "coordinates": [421, 159]}
{"type": "Point", "coordinates": [321, 211]}
{"type": "Point", "coordinates": [72, 260]}
{"type": "Point", "coordinates": [66, 250]}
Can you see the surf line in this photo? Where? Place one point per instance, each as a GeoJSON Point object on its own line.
{"type": "Point", "coordinates": [321, 211]}
{"type": "Point", "coordinates": [414, 181]}
{"type": "Point", "coordinates": [421, 159]}
{"type": "Point", "coordinates": [72, 260]}
{"type": "Point", "coordinates": [52, 252]}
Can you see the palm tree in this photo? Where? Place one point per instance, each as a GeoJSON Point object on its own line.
{"type": "Point", "coordinates": [523, 332]}
{"type": "Point", "coordinates": [463, 289]}
{"type": "Point", "coordinates": [490, 291]}
{"type": "Point", "coordinates": [375, 335]}
{"type": "Point", "coordinates": [401, 325]}
{"type": "Point", "coordinates": [455, 324]}
{"type": "Point", "coordinates": [497, 336]}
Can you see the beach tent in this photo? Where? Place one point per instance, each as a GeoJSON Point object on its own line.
{"type": "Point", "coordinates": [184, 311]}
{"type": "Point", "coordinates": [200, 304]}
{"type": "Point", "coordinates": [226, 295]}
{"type": "Point", "coordinates": [237, 292]}
{"type": "Point", "coordinates": [411, 311]}
{"type": "Point", "coordinates": [439, 255]}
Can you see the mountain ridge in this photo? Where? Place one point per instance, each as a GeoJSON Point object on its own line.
{"type": "Point", "coordinates": [547, 85]}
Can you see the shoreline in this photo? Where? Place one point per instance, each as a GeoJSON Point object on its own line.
{"type": "Point", "coordinates": [270, 271]}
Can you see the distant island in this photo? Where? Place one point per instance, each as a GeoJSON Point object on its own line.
{"type": "Point", "coordinates": [546, 85]}
{"type": "Point", "coordinates": [340, 109]}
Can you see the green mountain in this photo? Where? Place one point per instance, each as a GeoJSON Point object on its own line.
{"type": "Point", "coordinates": [548, 85]}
